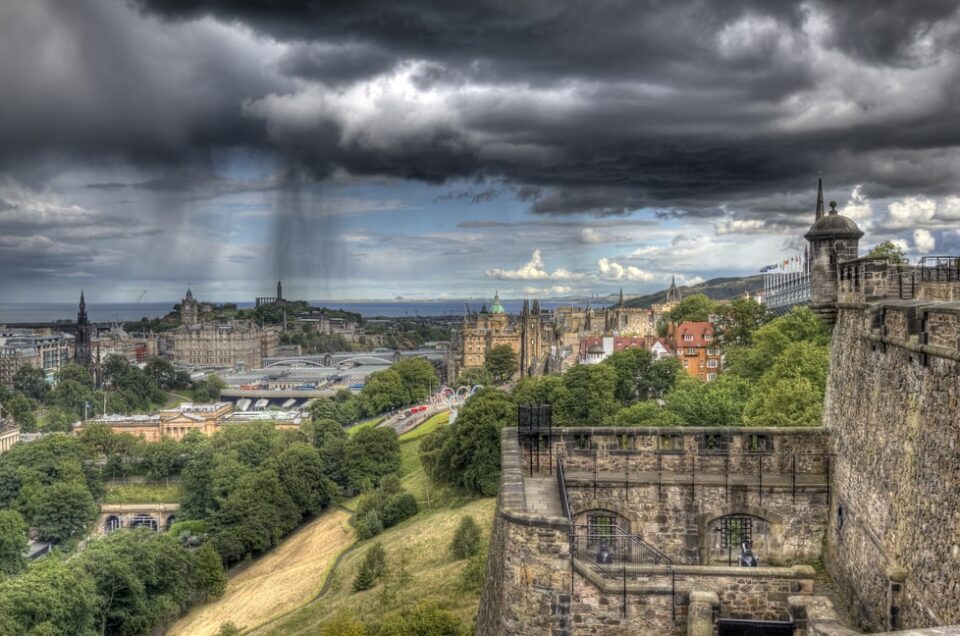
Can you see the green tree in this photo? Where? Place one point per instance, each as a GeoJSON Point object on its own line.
{"type": "Point", "coordinates": [717, 403]}
{"type": "Point", "coordinates": [163, 373]}
{"type": "Point", "coordinates": [75, 372]}
{"type": "Point", "coordinates": [474, 376]}
{"type": "Point", "coordinates": [737, 321]}
{"type": "Point", "coordinates": [53, 598]}
{"type": "Point", "coordinates": [32, 382]}
{"type": "Point", "coordinates": [373, 567]}
{"type": "Point", "coordinates": [693, 308]}
{"type": "Point", "coordinates": [63, 510]}
{"type": "Point", "coordinates": [466, 539]}
{"type": "Point", "coordinates": [160, 459]}
{"type": "Point", "coordinates": [419, 378]}
{"type": "Point", "coordinates": [74, 398]}
{"type": "Point", "coordinates": [13, 542]}
{"type": "Point", "coordinates": [469, 457]}
{"type": "Point", "coordinates": [590, 396]}
{"type": "Point", "coordinates": [99, 438]}
{"type": "Point", "coordinates": [372, 453]}
{"type": "Point", "coordinates": [769, 341]}
{"type": "Point", "coordinates": [323, 409]}
{"type": "Point", "coordinates": [791, 392]}
{"type": "Point", "coordinates": [501, 363]}
{"type": "Point", "coordinates": [230, 629]}
{"type": "Point", "coordinates": [547, 389]}
{"type": "Point", "coordinates": [343, 625]}
{"type": "Point", "coordinates": [382, 392]}
{"type": "Point", "coordinates": [888, 250]}
{"type": "Point", "coordinates": [22, 409]}
{"type": "Point", "coordinates": [209, 578]}
{"type": "Point", "coordinates": [647, 413]}
{"type": "Point", "coordinates": [421, 620]}
{"type": "Point", "coordinates": [301, 473]}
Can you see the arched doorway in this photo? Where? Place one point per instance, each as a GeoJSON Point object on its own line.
{"type": "Point", "coordinates": [729, 535]}
{"type": "Point", "coordinates": [170, 521]}
{"type": "Point", "coordinates": [112, 523]}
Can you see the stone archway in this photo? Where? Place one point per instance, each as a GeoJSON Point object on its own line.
{"type": "Point", "coordinates": [765, 527]}
{"type": "Point", "coordinates": [111, 523]}
{"type": "Point", "coordinates": [626, 516]}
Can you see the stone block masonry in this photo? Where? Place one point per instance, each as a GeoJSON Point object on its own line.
{"type": "Point", "coordinates": [893, 398]}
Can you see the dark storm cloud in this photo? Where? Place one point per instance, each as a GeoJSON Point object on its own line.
{"type": "Point", "coordinates": [691, 108]}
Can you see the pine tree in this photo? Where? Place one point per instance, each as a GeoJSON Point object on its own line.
{"type": "Point", "coordinates": [208, 575]}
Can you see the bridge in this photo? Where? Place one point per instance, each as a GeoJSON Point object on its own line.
{"type": "Point", "coordinates": [156, 516]}
{"type": "Point", "coordinates": [338, 358]}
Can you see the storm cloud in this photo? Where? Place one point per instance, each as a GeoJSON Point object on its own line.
{"type": "Point", "coordinates": [718, 113]}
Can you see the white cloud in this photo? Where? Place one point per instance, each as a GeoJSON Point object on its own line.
{"type": "Point", "coordinates": [924, 241]}
{"type": "Point", "coordinates": [738, 226]}
{"type": "Point", "coordinates": [546, 291]}
{"type": "Point", "coordinates": [590, 236]}
{"type": "Point", "coordinates": [612, 270]}
{"type": "Point", "coordinates": [858, 205]}
{"type": "Point", "coordinates": [910, 212]}
{"type": "Point", "coordinates": [532, 270]}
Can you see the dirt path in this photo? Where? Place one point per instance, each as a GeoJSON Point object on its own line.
{"type": "Point", "coordinates": [277, 582]}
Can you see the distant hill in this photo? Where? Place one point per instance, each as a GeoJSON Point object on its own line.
{"type": "Point", "coordinates": [715, 288]}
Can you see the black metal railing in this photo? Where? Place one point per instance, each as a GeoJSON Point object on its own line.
{"type": "Point", "coordinates": [562, 488]}
{"type": "Point", "coordinates": [612, 551]}
{"type": "Point", "coordinates": [939, 268]}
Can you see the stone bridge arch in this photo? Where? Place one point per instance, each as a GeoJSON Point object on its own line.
{"type": "Point", "coordinates": [157, 517]}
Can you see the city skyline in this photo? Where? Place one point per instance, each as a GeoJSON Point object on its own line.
{"type": "Point", "coordinates": [546, 151]}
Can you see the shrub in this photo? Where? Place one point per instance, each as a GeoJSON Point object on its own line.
{"type": "Point", "coordinates": [471, 578]}
{"type": "Point", "coordinates": [466, 540]}
{"type": "Point", "coordinates": [399, 507]}
{"type": "Point", "coordinates": [368, 525]}
{"type": "Point", "coordinates": [373, 567]}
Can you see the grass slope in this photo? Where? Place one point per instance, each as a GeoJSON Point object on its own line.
{"type": "Point", "coordinates": [142, 493]}
{"type": "Point", "coordinates": [277, 582]}
{"type": "Point", "coordinates": [421, 541]}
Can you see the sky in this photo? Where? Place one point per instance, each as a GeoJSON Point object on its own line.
{"type": "Point", "coordinates": [430, 149]}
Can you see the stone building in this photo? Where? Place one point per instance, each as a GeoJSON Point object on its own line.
{"type": "Point", "coordinates": [174, 422]}
{"type": "Point", "coordinates": [222, 344]}
{"type": "Point", "coordinates": [530, 336]}
{"type": "Point", "coordinates": [9, 434]}
{"type": "Point", "coordinates": [711, 531]}
{"type": "Point", "coordinates": [698, 350]}
{"type": "Point", "coordinates": [27, 348]}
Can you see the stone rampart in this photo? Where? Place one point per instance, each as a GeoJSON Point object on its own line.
{"type": "Point", "coordinates": [892, 404]}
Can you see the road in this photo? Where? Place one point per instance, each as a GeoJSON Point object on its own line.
{"type": "Point", "coordinates": [403, 425]}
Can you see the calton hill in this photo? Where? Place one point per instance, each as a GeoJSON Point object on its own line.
{"type": "Point", "coordinates": [341, 527]}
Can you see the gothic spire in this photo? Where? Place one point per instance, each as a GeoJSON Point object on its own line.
{"type": "Point", "coordinates": [819, 198]}
{"type": "Point", "coordinates": [620, 301]}
{"type": "Point", "coordinates": [82, 313]}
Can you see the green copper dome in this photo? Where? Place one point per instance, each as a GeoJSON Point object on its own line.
{"type": "Point", "coordinates": [497, 308]}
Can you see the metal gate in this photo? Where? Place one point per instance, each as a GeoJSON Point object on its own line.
{"type": "Point", "coordinates": [735, 627]}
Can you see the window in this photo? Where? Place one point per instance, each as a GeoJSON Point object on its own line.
{"type": "Point", "coordinates": [713, 351]}
{"type": "Point", "coordinates": [714, 444]}
{"type": "Point", "coordinates": [601, 525]}
{"type": "Point", "coordinates": [625, 442]}
{"type": "Point", "coordinates": [691, 351]}
{"type": "Point", "coordinates": [713, 363]}
{"type": "Point", "coordinates": [711, 377]}
{"type": "Point", "coordinates": [755, 443]}
{"type": "Point", "coordinates": [687, 337]}
{"type": "Point", "coordinates": [670, 443]}
{"type": "Point", "coordinates": [708, 337]}
{"type": "Point", "coordinates": [582, 442]}
{"type": "Point", "coordinates": [686, 364]}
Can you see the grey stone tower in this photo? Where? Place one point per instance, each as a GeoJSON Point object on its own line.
{"type": "Point", "coordinates": [834, 238]}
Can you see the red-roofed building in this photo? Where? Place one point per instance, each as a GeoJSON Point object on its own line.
{"type": "Point", "coordinates": [697, 349]}
{"type": "Point", "coordinates": [596, 349]}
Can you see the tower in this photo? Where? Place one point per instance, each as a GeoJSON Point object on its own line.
{"type": "Point", "coordinates": [833, 238]}
{"type": "Point", "coordinates": [189, 309]}
{"type": "Point", "coordinates": [279, 291]}
{"type": "Point", "coordinates": [83, 354]}
{"type": "Point", "coordinates": [524, 337]}
{"type": "Point", "coordinates": [673, 294]}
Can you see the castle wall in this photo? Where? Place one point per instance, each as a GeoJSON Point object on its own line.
{"type": "Point", "coordinates": [893, 544]}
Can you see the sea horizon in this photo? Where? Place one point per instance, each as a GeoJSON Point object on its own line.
{"type": "Point", "coordinates": [51, 312]}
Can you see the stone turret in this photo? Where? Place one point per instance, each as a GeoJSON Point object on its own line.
{"type": "Point", "coordinates": [834, 238]}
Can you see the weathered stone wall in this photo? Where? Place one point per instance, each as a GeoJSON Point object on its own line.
{"type": "Point", "coordinates": [893, 544]}
{"type": "Point", "coordinates": [533, 587]}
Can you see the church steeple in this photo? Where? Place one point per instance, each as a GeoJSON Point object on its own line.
{"type": "Point", "coordinates": [819, 199]}
{"type": "Point", "coordinates": [82, 313]}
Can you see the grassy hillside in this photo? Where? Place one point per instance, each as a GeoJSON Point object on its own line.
{"type": "Point", "coordinates": [715, 288]}
{"type": "Point", "coordinates": [280, 593]}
